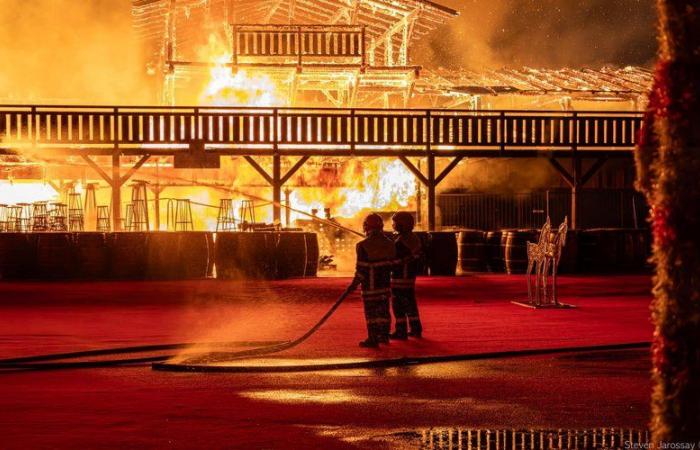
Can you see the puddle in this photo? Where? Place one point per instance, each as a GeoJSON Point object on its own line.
{"type": "Point", "coordinates": [493, 439]}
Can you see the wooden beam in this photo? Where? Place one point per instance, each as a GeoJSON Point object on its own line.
{"type": "Point", "coordinates": [259, 169]}
{"type": "Point", "coordinates": [593, 169]}
{"type": "Point", "coordinates": [562, 171]}
{"type": "Point", "coordinates": [133, 170]}
{"type": "Point", "coordinates": [272, 11]}
{"type": "Point", "coordinates": [423, 179]}
{"type": "Point", "coordinates": [97, 169]}
{"type": "Point", "coordinates": [294, 168]}
{"type": "Point", "coordinates": [446, 171]}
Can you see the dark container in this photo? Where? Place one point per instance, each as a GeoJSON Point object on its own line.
{"type": "Point", "coordinates": [442, 253]}
{"type": "Point", "coordinates": [163, 259]}
{"type": "Point", "coordinates": [55, 256]}
{"type": "Point", "coordinates": [129, 255]}
{"type": "Point", "coordinates": [92, 255]}
{"type": "Point", "coordinates": [195, 253]}
{"type": "Point", "coordinates": [494, 251]}
{"type": "Point", "coordinates": [472, 250]}
{"type": "Point", "coordinates": [424, 237]}
{"type": "Point", "coordinates": [245, 255]}
{"type": "Point", "coordinates": [614, 250]}
{"type": "Point", "coordinates": [515, 249]}
{"type": "Point", "coordinates": [290, 255]}
{"type": "Point", "coordinates": [312, 254]}
{"type": "Point", "coordinates": [17, 256]}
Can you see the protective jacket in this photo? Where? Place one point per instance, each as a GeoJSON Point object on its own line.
{"type": "Point", "coordinates": [409, 252]}
{"type": "Point", "coordinates": [376, 256]}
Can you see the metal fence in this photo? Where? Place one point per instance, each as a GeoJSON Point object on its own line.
{"type": "Point", "coordinates": [598, 208]}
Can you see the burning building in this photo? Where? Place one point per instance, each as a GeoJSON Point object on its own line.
{"type": "Point", "coordinates": [303, 105]}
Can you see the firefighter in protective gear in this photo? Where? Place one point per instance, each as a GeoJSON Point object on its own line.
{"type": "Point", "coordinates": [376, 256]}
{"type": "Point", "coordinates": [403, 278]}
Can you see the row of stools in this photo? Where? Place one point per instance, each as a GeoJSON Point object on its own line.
{"type": "Point", "coordinates": [39, 216]}
{"type": "Point", "coordinates": [49, 216]}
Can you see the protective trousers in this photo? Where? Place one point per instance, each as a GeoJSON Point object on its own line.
{"type": "Point", "coordinates": [406, 311]}
{"type": "Point", "coordinates": [377, 316]}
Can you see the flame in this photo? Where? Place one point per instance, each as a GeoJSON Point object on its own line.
{"type": "Point", "coordinates": [376, 185]}
{"type": "Point", "coordinates": [13, 192]}
{"type": "Point", "coordinates": [228, 88]}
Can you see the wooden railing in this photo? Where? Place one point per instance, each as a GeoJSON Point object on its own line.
{"type": "Point", "coordinates": [317, 131]}
{"type": "Point", "coordinates": [270, 41]}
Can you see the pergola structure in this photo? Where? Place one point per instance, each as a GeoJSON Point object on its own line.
{"type": "Point", "coordinates": [198, 136]}
{"type": "Point", "coordinates": [355, 55]}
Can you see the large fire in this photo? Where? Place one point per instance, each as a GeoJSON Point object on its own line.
{"type": "Point", "coordinates": [356, 187]}
{"type": "Point", "coordinates": [378, 184]}
{"type": "Point", "coordinates": [227, 87]}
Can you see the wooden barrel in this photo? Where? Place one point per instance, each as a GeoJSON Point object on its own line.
{"type": "Point", "coordinates": [515, 249]}
{"type": "Point", "coordinates": [568, 263]}
{"type": "Point", "coordinates": [55, 256]}
{"type": "Point", "coordinates": [163, 261]}
{"type": "Point", "coordinates": [471, 245]}
{"type": "Point", "coordinates": [17, 255]}
{"type": "Point", "coordinates": [312, 254]}
{"type": "Point", "coordinates": [225, 251]}
{"type": "Point", "coordinates": [614, 250]}
{"type": "Point", "coordinates": [442, 254]}
{"type": "Point", "coordinates": [494, 251]}
{"type": "Point", "coordinates": [211, 246]}
{"type": "Point", "coordinates": [424, 237]}
{"type": "Point", "coordinates": [129, 255]}
{"type": "Point", "coordinates": [245, 255]}
{"type": "Point", "coordinates": [194, 254]}
{"type": "Point", "coordinates": [92, 255]}
{"type": "Point", "coordinates": [290, 255]}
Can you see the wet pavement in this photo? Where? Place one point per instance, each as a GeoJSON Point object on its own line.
{"type": "Point", "coordinates": [441, 405]}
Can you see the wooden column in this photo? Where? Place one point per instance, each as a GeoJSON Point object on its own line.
{"type": "Point", "coordinates": [116, 193]}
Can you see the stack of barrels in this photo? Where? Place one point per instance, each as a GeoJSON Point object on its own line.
{"type": "Point", "coordinates": [597, 250]}
{"type": "Point", "coordinates": [266, 255]}
{"type": "Point", "coordinates": [292, 254]}
{"type": "Point", "coordinates": [157, 255]}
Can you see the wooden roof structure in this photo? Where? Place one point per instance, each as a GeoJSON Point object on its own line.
{"type": "Point", "coordinates": [606, 82]}
{"type": "Point", "coordinates": [387, 22]}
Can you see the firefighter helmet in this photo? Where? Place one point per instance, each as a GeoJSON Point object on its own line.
{"type": "Point", "coordinates": [373, 222]}
{"type": "Point", "coordinates": [403, 222]}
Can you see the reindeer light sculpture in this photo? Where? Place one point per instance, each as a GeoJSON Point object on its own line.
{"type": "Point", "coordinates": [543, 257]}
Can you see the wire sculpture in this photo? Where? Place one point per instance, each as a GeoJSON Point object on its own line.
{"type": "Point", "coordinates": [543, 257]}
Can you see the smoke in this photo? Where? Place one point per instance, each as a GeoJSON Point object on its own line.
{"type": "Point", "coordinates": [543, 33]}
{"type": "Point", "coordinates": [501, 176]}
{"type": "Point", "coordinates": [71, 51]}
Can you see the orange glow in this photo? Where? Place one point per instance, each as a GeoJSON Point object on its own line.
{"type": "Point", "coordinates": [21, 192]}
{"type": "Point", "coordinates": [226, 88]}
{"type": "Point", "coordinates": [379, 185]}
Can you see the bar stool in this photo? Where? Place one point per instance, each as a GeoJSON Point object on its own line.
{"type": "Point", "coordinates": [139, 206]}
{"type": "Point", "coordinates": [226, 218]}
{"type": "Point", "coordinates": [40, 216]}
{"type": "Point", "coordinates": [103, 219]}
{"type": "Point", "coordinates": [179, 215]}
{"type": "Point", "coordinates": [25, 219]}
{"type": "Point", "coordinates": [57, 217]}
{"type": "Point", "coordinates": [3, 218]}
{"type": "Point", "coordinates": [76, 220]}
{"type": "Point", "coordinates": [14, 219]}
{"type": "Point", "coordinates": [246, 211]}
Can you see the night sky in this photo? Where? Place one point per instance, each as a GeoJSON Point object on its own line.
{"type": "Point", "coordinates": [544, 33]}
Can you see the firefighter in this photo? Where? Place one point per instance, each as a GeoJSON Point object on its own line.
{"type": "Point", "coordinates": [403, 278]}
{"type": "Point", "coordinates": [376, 255]}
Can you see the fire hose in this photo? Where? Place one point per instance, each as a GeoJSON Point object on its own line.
{"type": "Point", "coordinates": [207, 361]}
{"type": "Point", "coordinates": [55, 361]}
